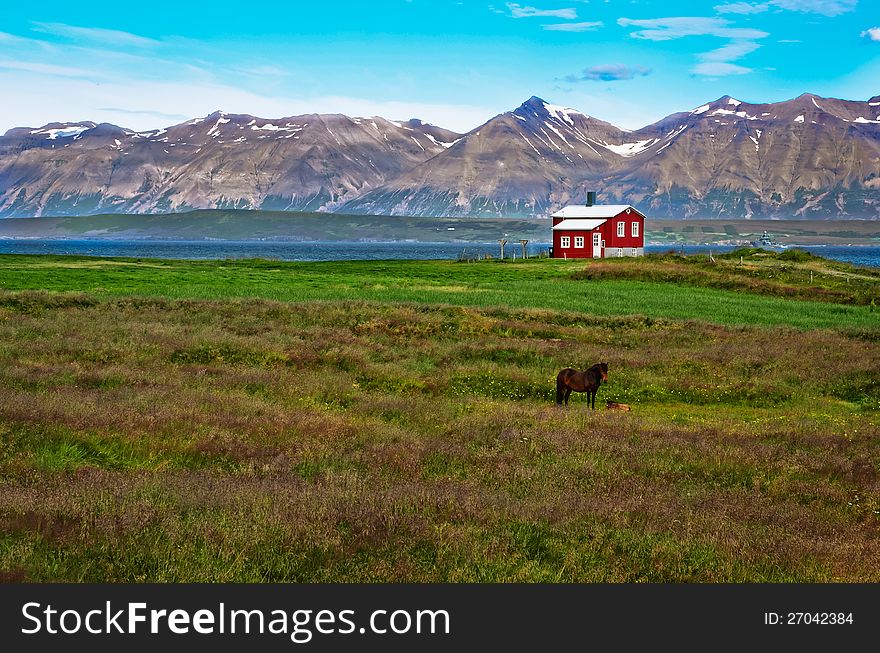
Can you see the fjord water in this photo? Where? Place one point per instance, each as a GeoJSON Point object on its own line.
{"type": "Point", "coordinates": [865, 255]}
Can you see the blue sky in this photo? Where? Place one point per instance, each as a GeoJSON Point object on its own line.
{"type": "Point", "coordinates": [455, 63]}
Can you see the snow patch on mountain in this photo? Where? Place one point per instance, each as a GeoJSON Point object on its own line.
{"type": "Point", "coordinates": [62, 132]}
{"type": "Point", "coordinates": [739, 114]}
{"type": "Point", "coordinates": [215, 130]}
{"type": "Point", "coordinates": [562, 113]}
{"type": "Point", "coordinates": [629, 149]}
{"type": "Point", "coordinates": [289, 127]}
{"type": "Point", "coordinates": [441, 143]}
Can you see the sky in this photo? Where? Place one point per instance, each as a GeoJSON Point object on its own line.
{"type": "Point", "coordinates": [453, 63]}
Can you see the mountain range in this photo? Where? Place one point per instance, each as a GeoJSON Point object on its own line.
{"type": "Point", "coordinates": [810, 157]}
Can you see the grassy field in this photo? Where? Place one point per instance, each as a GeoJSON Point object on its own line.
{"type": "Point", "coordinates": [534, 283]}
{"type": "Point", "coordinates": [394, 421]}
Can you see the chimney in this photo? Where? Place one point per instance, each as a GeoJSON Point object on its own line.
{"type": "Point", "coordinates": [591, 198]}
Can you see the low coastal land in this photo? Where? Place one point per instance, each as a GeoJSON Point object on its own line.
{"type": "Point", "coordinates": [277, 225]}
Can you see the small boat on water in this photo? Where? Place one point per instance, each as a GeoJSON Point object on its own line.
{"type": "Point", "coordinates": [767, 243]}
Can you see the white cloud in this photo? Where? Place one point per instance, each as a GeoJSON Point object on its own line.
{"type": "Point", "coordinates": [108, 82]}
{"type": "Point", "coordinates": [742, 8]}
{"type": "Point", "coordinates": [608, 73]}
{"type": "Point", "coordinates": [676, 27]}
{"type": "Point", "coordinates": [715, 63]}
{"type": "Point", "coordinates": [575, 27]}
{"type": "Point", "coordinates": [96, 35]}
{"type": "Point", "coordinates": [136, 112]}
{"type": "Point", "coordinates": [824, 7]}
{"type": "Point", "coordinates": [731, 51]}
{"type": "Point", "coordinates": [148, 104]}
{"type": "Point", "coordinates": [518, 11]}
{"type": "Point", "coordinates": [719, 69]}
{"type": "Point", "coordinates": [45, 69]}
{"type": "Point", "coordinates": [872, 33]}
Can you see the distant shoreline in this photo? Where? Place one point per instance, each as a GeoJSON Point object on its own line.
{"type": "Point", "coordinates": [464, 243]}
{"type": "Point", "coordinates": [287, 227]}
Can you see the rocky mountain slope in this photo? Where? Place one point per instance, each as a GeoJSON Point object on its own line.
{"type": "Point", "coordinates": [809, 157]}
{"type": "Point", "coordinates": [220, 161]}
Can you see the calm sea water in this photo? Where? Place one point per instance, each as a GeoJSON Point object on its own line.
{"type": "Point", "coordinates": [867, 255]}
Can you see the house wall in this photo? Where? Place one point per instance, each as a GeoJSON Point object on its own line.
{"type": "Point", "coordinates": [573, 252]}
{"type": "Point", "coordinates": [627, 241]}
{"type": "Point", "coordinates": [608, 229]}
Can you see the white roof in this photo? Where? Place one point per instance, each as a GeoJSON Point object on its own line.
{"type": "Point", "coordinates": [579, 224]}
{"type": "Point", "coordinates": [595, 211]}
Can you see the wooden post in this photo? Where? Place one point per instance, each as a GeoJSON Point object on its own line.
{"type": "Point", "coordinates": [502, 242]}
{"type": "Point", "coordinates": [524, 242]}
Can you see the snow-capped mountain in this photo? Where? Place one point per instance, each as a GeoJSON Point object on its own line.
{"type": "Point", "coordinates": [522, 162]}
{"type": "Point", "coordinates": [305, 162]}
{"type": "Point", "coordinates": [807, 157]}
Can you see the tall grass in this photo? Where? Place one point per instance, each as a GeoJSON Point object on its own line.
{"type": "Point", "coordinates": [161, 439]}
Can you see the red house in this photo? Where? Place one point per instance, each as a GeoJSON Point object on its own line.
{"type": "Point", "coordinates": [598, 231]}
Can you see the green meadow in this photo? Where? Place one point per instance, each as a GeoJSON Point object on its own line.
{"type": "Point", "coordinates": [360, 421]}
{"type": "Point", "coordinates": [656, 291]}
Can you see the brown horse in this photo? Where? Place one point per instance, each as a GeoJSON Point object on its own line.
{"type": "Point", "coordinates": [588, 381]}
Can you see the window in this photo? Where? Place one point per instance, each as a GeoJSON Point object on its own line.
{"type": "Point", "coordinates": [633, 252]}
{"type": "Point", "coordinates": [620, 228]}
{"type": "Point", "coordinates": [565, 241]}
{"type": "Point", "coordinates": [635, 230]}
{"type": "Point", "coordinates": [620, 251]}
{"type": "Point", "coordinates": [579, 242]}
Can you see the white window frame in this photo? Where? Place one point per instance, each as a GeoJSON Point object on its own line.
{"type": "Point", "coordinates": [578, 242]}
{"type": "Point", "coordinates": [633, 251]}
{"type": "Point", "coordinates": [621, 226]}
{"type": "Point", "coordinates": [565, 242]}
{"type": "Point", "coordinates": [635, 230]}
{"type": "Point", "coordinates": [620, 252]}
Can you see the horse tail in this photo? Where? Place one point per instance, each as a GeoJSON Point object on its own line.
{"type": "Point", "coordinates": [560, 390]}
